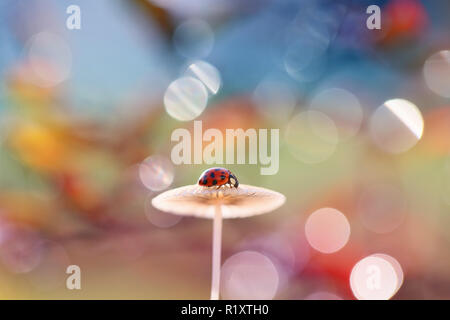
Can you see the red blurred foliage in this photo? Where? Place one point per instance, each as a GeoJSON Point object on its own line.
{"type": "Point", "coordinates": [405, 19]}
{"type": "Point", "coordinates": [238, 112]}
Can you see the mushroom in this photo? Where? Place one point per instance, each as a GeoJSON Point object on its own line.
{"type": "Point", "coordinates": [218, 203]}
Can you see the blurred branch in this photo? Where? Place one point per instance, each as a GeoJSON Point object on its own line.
{"type": "Point", "coordinates": [157, 14]}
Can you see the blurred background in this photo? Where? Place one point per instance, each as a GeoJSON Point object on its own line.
{"type": "Point", "coordinates": [86, 117]}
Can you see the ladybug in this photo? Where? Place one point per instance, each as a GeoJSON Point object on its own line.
{"type": "Point", "coordinates": [217, 177]}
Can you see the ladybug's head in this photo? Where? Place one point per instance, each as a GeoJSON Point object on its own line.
{"type": "Point", "coordinates": [233, 180]}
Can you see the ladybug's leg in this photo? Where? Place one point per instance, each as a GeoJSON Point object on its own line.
{"type": "Point", "coordinates": [233, 183]}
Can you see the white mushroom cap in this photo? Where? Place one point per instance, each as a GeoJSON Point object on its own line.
{"type": "Point", "coordinates": [198, 201]}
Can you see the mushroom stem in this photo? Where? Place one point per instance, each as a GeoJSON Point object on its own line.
{"type": "Point", "coordinates": [217, 245]}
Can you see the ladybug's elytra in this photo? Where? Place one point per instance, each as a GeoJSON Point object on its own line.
{"type": "Point", "coordinates": [216, 177]}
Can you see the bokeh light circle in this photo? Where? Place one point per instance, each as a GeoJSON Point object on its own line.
{"type": "Point", "coordinates": [396, 126]}
{"type": "Point", "coordinates": [436, 71]}
{"type": "Point", "coordinates": [51, 271]}
{"type": "Point", "coordinates": [280, 251]}
{"type": "Point", "coordinates": [304, 67]}
{"type": "Point", "coordinates": [305, 57]}
{"type": "Point", "coordinates": [50, 59]}
{"type": "Point", "coordinates": [311, 137]}
{"type": "Point", "coordinates": [342, 107]}
{"type": "Point", "coordinates": [301, 53]}
{"type": "Point", "coordinates": [156, 173]}
{"type": "Point", "coordinates": [327, 230]}
{"type": "Point", "coordinates": [207, 74]}
{"type": "Point", "coordinates": [20, 249]}
{"type": "Point", "coordinates": [275, 98]}
{"type": "Point", "coordinates": [375, 278]}
{"type": "Point", "coordinates": [395, 264]}
{"type": "Point", "coordinates": [185, 98]}
{"type": "Point", "coordinates": [194, 39]}
{"type": "Point", "coordinates": [249, 275]}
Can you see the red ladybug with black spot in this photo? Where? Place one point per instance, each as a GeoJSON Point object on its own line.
{"type": "Point", "coordinates": [216, 177]}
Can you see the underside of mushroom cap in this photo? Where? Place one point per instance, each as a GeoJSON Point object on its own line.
{"type": "Point", "coordinates": [198, 201]}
